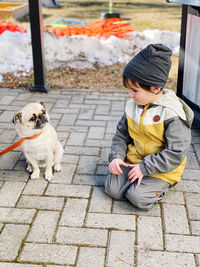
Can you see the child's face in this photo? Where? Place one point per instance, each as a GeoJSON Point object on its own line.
{"type": "Point", "coordinates": [141, 96]}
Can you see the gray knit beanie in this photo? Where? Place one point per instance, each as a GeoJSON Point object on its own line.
{"type": "Point", "coordinates": [150, 66]}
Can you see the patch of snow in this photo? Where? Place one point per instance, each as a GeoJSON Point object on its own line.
{"type": "Point", "coordinates": [78, 51]}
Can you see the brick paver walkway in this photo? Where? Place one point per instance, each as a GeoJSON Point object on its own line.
{"type": "Point", "coordinates": [70, 221]}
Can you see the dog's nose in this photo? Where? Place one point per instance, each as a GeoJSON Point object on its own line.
{"type": "Point", "coordinates": [41, 120]}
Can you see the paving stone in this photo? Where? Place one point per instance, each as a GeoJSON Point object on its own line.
{"type": "Point", "coordinates": [56, 116]}
{"type": "Point", "coordinates": [77, 99]}
{"type": "Point", "coordinates": [87, 151]}
{"type": "Point", "coordinates": [92, 95]}
{"type": "Point", "coordinates": [175, 219]}
{"type": "Point", "coordinates": [89, 180]}
{"type": "Point", "coordinates": [173, 197]}
{"type": "Point", "coordinates": [116, 113]}
{"type": "Point", "coordinates": [101, 143]}
{"type": "Point", "coordinates": [195, 140]}
{"type": "Point", "coordinates": [66, 174]}
{"type": "Point", "coordinates": [121, 247]}
{"type": "Point", "coordinates": [198, 260]}
{"type": "Point", "coordinates": [106, 118]}
{"type": "Point", "coordinates": [108, 136]}
{"type": "Point", "coordinates": [104, 156]}
{"type": "Point", "coordinates": [102, 170]}
{"type": "Point", "coordinates": [96, 133]}
{"type": "Point", "coordinates": [195, 132]}
{"type": "Point", "coordinates": [193, 199]}
{"type": "Point", "coordinates": [6, 100]}
{"type": "Point", "coordinates": [8, 137]}
{"type": "Point", "coordinates": [6, 264]}
{"type": "Point", "coordinates": [111, 221]}
{"type": "Point", "coordinates": [7, 199]}
{"type": "Point", "coordinates": [197, 150]}
{"type": "Point", "coordinates": [102, 110]}
{"type": "Point", "coordinates": [21, 165]}
{"type": "Point", "coordinates": [192, 162]}
{"type": "Point", "coordinates": [187, 186]}
{"type": "Point", "coordinates": [118, 105]}
{"type": "Point", "coordinates": [16, 176]}
{"type": "Point", "coordinates": [195, 227]}
{"type": "Point", "coordinates": [68, 190]}
{"type": "Point", "coordinates": [90, 123]}
{"type": "Point", "coordinates": [74, 212]}
{"type": "Point", "coordinates": [124, 207]}
{"type": "Point", "coordinates": [183, 243]}
{"type": "Point", "coordinates": [43, 227]}
{"type": "Point", "coordinates": [10, 240]}
{"type": "Point", "coordinates": [40, 202]}
{"type": "Point", "coordinates": [159, 258]}
{"type": "Point", "coordinates": [61, 103]}
{"type": "Point", "coordinates": [97, 102]}
{"type": "Point", "coordinates": [85, 114]}
{"type": "Point", "coordinates": [68, 119]}
{"type": "Point", "coordinates": [64, 111]}
{"type": "Point", "coordinates": [82, 106]}
{"type": "Point", "coordinates": [15, 215]}
{"type": "Point", "coordinates": [191, 174]}
{"type": "Point", "coordinates": [6, 125]}
{"type": "Point", "coordinates": [71, 129]}
{"type": "Point", "coordinates": [194, 212]}
{"type": "Point", "coordinates": [81, 236]}
{"type": "Point", "coordinates": [86, 165]}
{"type": "Point", "coordinates": [6, 116]}
{"type": "Point", "coordinates": [70, 159]}
{"type": "Point", "coordinates": [150, 233]}
{"type": "Point", "coordinates": [100, 202]}
{"type": "Point", "coordinates": [90, 257]}
{"type": "Point", "coordinates": [58, 254]}
{"type": "Point", "coordinates": [9, 160]}
{"type": "Point", "coordinates": [76, 139]}
{"type": "Point", "coordinates": [111, 127]}
{"type": "Point", "coordinates": [35, 187]}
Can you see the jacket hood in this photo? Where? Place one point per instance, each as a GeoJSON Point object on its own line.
{"type": "Point", "coordinates": [170, 100]}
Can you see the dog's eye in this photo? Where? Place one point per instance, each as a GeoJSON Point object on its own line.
{"type": "Point", "coordinates": [33, 118]}
{"type": "Point", "coordinates": [44, 111]}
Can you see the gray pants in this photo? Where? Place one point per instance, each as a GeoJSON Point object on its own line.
{"type": "Point", "coordinates": [143, 197]}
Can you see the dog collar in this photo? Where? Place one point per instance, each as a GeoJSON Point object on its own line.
{"type": "Point", "coordinates": [21, 141]}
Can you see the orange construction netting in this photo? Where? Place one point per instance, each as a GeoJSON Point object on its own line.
{"type": "Point", "coordinates": [104, 28]}
{"type": "Point", "coordinates": [8, 26]}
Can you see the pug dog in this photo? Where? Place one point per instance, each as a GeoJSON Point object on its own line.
{"type": "Point", "coordinates": [44, 150]}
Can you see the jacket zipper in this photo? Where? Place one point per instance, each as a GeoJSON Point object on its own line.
{"type": "Point", "coordinates": [141, 128]}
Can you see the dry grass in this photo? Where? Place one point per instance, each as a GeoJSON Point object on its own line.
{"type": "Point", "coordinates": [155, 14]}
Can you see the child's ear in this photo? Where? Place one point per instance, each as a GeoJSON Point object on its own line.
{"type": "Point", "coordinates": [155, 90]}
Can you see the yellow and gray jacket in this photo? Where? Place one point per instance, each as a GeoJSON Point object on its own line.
{"type": "Point", "coordinates": [157, 136]}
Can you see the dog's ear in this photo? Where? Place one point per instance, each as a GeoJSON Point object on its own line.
{"type": "Point", "coordinates": [41, 103]}
{"type": "Point", "coordinates": [17, 117]}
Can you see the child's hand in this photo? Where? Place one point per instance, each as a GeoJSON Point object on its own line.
{"type": "Point", "coordinates": [114, 166]}
{"type": "Point", "coordinates": [135, 173]}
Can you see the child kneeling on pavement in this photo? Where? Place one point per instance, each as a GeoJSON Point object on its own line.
{"type": "Point", "coordinates": [148, 152]}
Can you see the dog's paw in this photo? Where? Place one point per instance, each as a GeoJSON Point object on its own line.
{"type": "Point", "coordinates": [57, 167]}
{"type": "Point", "coordinates": [35, 175]}
{"type": "Point", "coordinates": [48, 177]}
{"type": "Point", "coordinates": [29, 168]}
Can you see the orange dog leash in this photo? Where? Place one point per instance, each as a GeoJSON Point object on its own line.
{"type": "Point", "coordinates": [21, 141]}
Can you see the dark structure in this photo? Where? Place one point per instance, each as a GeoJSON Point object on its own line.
{"type": "Point", "coordinates": [188, 86]}
{"type": "Point", "coordinates": [37, 46]}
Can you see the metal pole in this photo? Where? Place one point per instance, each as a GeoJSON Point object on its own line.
{"type": "Point", "coordinates": [182, 50]}
{"type": "Point", "coordinates": [37, 47]}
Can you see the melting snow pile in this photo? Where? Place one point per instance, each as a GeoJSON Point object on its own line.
{"type": "Point", "coordinates": [78, 51]}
